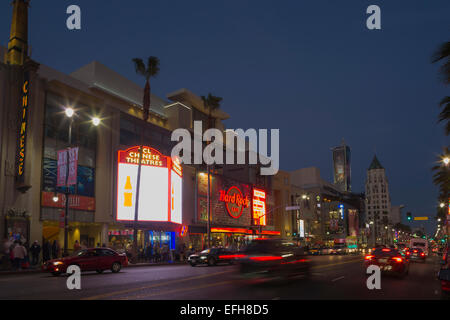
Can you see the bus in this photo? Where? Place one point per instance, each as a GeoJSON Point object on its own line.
{"type": "Point", "coordinates": [419, 243]}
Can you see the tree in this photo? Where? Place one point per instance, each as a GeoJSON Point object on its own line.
{"type": "Point", "coordinates": [211, 103]}
{"type": "Point", "coordinates": [442, 54]}
{"type": "Point", "coordinates": [147, 71]}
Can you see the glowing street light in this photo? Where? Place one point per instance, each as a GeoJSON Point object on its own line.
{"type": "Point", "coordinates": [69, 112]}
{"type": "Point", "coordinates": [96, 121]}
{"type": "Point", "coordinates": [446, 160]}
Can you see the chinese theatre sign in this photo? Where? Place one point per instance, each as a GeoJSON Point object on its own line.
{"type": "Point", "coordinates": [259, 207]}
{"type": "Point", "coordinates": [234, 200]}
{"type": "Point", "coordinates": [24, 105]}
{"type": "Point", "coordinates": [160, 197]}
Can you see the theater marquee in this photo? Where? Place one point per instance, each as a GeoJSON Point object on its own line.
{"type": "Point", "coordinates": [160, 197]}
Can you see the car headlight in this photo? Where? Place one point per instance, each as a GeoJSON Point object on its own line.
{"type": "Point", "coordinates": [57, 263]}
{"type": "Point", "coordinates": [203, 258]}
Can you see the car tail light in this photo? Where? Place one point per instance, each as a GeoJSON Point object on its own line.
{"type": "Point", "coordinates": [266, 258]}
{"type": "Point", "coordinates": [415, 250]}
{"type": "Point", "coordinates": [386, 250]}
{"type": "Point", "coordinates": [369, 257]}
{"type": "Point", "coordinates": [408, 253]}
{"type": "Point", "coordinates": [397, 259]}
{"type": "Point", "coordinates": [232, 256]}
{"type": "Point", "coordinates": [422, 254]}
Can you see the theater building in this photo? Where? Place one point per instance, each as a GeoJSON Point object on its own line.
{"type": "Point", "coordinates": [34, 127]}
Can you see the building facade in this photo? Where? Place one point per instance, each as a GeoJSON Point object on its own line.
{"type": "Point", "coordinates": [378, 202]}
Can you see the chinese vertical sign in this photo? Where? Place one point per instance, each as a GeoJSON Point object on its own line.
{"type": "Point", "coordinates": [23, 128]}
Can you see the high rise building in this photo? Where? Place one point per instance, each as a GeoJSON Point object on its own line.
{"type": "Point", "coordinates": [341, 167]}
{"type": "Point", "coordinates": [378, 200]}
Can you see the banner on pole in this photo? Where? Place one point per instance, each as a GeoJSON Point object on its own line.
{"type": "Point", "coordinates": [62, 168]}
{"type": "Point", "coordinates": [73, 165]}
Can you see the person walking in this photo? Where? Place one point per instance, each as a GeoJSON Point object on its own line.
{"type": "Point", "coordinates": [35, 251]}
{"type": "Point", "coordinates": [76, 246]}
{"type": "Point", "coordinates": [46, 251]}
{"type": "Point", "coordinates": [19, 253]}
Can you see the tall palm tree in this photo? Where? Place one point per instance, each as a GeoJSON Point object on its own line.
{"type": "Point", "coordinates": [148, 71]}
{"type": "Point", "coordinates": [210, 103]}
{"type": "Point", "coordinates": [442, 54]}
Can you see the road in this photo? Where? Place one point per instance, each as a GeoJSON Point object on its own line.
{"type": "Point", "coordinates": [333, 277]}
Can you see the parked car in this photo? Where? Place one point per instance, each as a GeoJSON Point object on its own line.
{"type": "Point", "coordinates": [96, 259]}
{"type": "Point", "coordinates": [213, 256]}
{"type": "Point", "coordinates": [444, 272]}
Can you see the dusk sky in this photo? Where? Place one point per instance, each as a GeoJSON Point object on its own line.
{"type": "Point", "coordinates": [310, 68]}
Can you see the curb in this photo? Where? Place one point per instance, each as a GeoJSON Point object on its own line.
{"type": "Point", "coordinates": [33, 271]}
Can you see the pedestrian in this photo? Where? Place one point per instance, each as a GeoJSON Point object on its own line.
{"type": "Point", "coordinates": [83, 245]}
{"type": "Point", "coordinates": [19, 253]}
{"type": "Point", "coordinates": [46, 251]}
{"type": "Point", "coordinates": [35, 251]}
{"type": "Point", "coordinates": [5, 251]}
{"type": "Point", "coordinates": [55, 250]}
{"type": "Point", "coordinates": [76, 246]}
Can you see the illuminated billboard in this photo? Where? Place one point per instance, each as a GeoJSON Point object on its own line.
{"type": "Point", "coordinates": [259, 207]}
{"type": "Point", "coordinates": [160, 197]}
{"type": "Point", "coordinates": [341, 167]}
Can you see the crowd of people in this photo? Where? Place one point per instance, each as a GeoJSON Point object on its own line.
{"type": "Point", "coordinates": [18, 254]}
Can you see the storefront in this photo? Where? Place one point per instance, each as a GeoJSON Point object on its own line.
{"type": "Point", "coordinates": [238, 213]}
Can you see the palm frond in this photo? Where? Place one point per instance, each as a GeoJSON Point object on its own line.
{"type": "Point", "coordinates": [139, 66]}
{"type": "Point", "coordinates": [152, 67]}
{"type": "Point", "coordinates": [443, 53]}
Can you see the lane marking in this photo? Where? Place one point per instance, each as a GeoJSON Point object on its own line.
{"type": "Point", "coordinates": [337, 279]}
{"type": "Point", "coordinates": [335, 264]}
{"type": "Point", "coordinates": [106, 295]}
{"type": "Point", "coordinates": [178, 290]}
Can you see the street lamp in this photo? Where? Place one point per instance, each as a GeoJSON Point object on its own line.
{"type": "Point", "coordinates": [70, 112]}
{"type": "Point", "coordinates": [446, 160]}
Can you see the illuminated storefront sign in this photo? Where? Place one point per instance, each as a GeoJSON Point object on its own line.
{"type": "Point", "coordinates": [234, 201]}
{"type": "Point", "coordinates": [23, 129]}
{"type": "Point", "coordinates": [259, 207]}
{"type": "Point", "coordinates": [160, 197]}
{"type": "Point", "coordinates": [244, 231]}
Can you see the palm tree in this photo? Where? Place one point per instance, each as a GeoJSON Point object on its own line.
{"type": "Point", "coordinates": [210, 103]}
{"type": "Point", "coordinates": [442, 54]}
{"type": "Point", "coordinates": [147, 71]}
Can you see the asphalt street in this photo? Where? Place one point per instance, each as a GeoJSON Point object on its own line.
{"type": "Point", "coordinates": [332, 277]}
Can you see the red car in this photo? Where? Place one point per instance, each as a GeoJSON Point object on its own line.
{"type": "Point", "coordinates": [97, 259]}
{"type": "Point", "coordinates": [389, 260]}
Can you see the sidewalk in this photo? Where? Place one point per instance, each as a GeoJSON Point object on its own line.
{"type": "Point", "coordinates": [130, 265]}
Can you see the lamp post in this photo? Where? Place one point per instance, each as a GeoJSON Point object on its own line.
{"type": "Point", "coordinates": [96, 121]}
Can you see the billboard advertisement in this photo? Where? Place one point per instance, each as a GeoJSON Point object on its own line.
{"type": "Point", "coordinates": [160, 197]}
{"type": "Point", "coordinates": [341, 167]}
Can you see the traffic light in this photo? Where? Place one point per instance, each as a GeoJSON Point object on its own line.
{"type": "Point", "coordinates": [408, 216]}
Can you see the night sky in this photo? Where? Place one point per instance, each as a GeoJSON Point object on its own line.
{"type": "Point", "coordinates": [310, 68]}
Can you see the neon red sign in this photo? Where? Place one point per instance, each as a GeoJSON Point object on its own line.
{"type": "Point", "coordinates": [234, 201]}
{"type": "Point", "coordinates": [259, 207]}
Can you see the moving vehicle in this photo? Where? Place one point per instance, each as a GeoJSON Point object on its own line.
{"type": "Point", "coordinates": [419, 243]}
{"type": "Point", "coordinates": [212, 256]}
{"type": "Point", "coordinates": [315, 251]}
{"type": "Point", "coordinates": [325, 250]}
{"type": "Point", "coordinates": [417, 255]}
{"type": "Point", "coordinates": [389, 260]}
{"type": "Point", "coordinates": [339, 248]}
{"type": "Point", "coordinates": [96, 259]}
{"type": "Point", "coordinates": [271, 259]}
